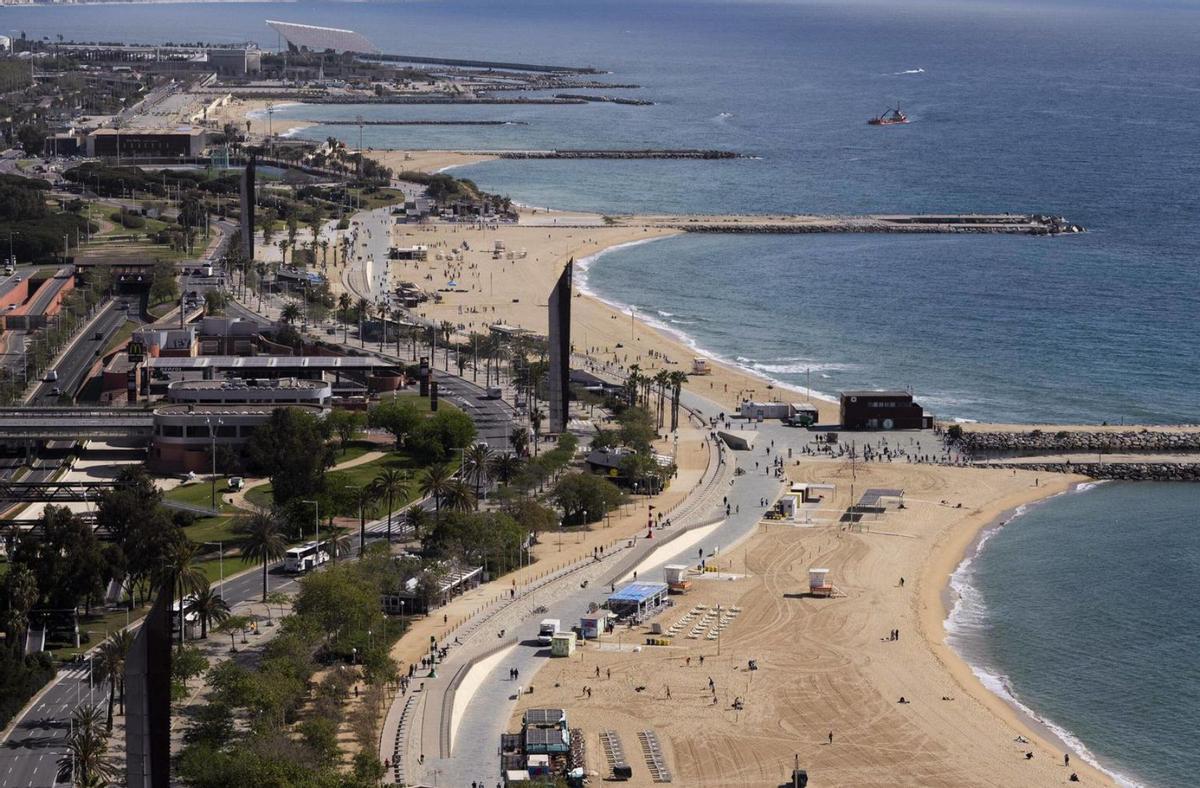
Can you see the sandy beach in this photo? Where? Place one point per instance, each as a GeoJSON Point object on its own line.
{"type": "Point", "coordinates": [824, 665]}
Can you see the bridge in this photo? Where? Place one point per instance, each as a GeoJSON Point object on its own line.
{"type": "Point", "coordinates": [52, 423]}
{"type": "Point", "coordinates": [53, 492]}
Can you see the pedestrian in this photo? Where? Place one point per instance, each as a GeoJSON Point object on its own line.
{"type": "Point", "coordinates": [597, 671]}
{"type": "Point", "coordinates": [688, 662]}
{"type": "Point", "coordinates": [668, 692]}
{"type": "Point", "coordinates": [701, 660]}
{"type": "Point", "coordinates": [831, 737]}
{"type": "Point", "coordinates": [1066, 759]}
{"type": "Point", "coordinates": [608, 672]}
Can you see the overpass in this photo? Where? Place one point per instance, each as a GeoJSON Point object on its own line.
{"type": "Point", "coordinates": [51, 423]}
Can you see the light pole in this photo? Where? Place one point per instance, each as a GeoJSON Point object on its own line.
{"type": "Point", "coordinates": [213, 438]}
{"type": "Point", "coordinates": [316, 519]}
{"type": "Point", "coordinates": [220, 567]}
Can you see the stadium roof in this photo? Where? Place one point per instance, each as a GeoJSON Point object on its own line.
{"type": "Point", "coordinates": [323, 39]}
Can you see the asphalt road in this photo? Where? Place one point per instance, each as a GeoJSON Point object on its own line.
{"type": "Point", "coordinates": [72, 368]}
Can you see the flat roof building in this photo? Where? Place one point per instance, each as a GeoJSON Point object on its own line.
{"type": "Point", "coordinates": [882, 410]}
{"type": "Point", "coordinates": [185, 434]}
{"type": "Point", "coordinates": [241, 391]}
{"type": "Point", "coordinates": [181, 142]}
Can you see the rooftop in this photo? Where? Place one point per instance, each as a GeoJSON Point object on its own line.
{"type": "Point", "coordinates": [244, 383]}
{"type": "Point", "coordinates": [227, 410]}
{"type": "Point", "coordinates": [267, 362]}
{"type": "Point", "coordinates": [191, 131]}
{"type": "Point", "coordinates": [638, 592]}
{"type": "Point", "coordinates": [876, 393]}
{"type": "Point", "coordinates": [321, 39]}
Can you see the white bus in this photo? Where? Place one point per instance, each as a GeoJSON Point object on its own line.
{"type": "Point", "coordinates": [305, 557]}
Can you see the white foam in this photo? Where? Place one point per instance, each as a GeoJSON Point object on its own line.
{"type": "Point", "coordinates": [968, 619]}
{"type": "Point", "coordinates": [908, 71]}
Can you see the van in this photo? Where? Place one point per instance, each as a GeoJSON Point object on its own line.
{"type": "Point", "coordinates": [493, 392]}
{"type": "Point", "coordinates": [236, 482]}
{"type": "Point", "coordinates": [51, 376]}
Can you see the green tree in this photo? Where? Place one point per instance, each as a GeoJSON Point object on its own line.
{"type": "Point", "coordinates": [477, 461]}
{"type": "Point", "coordinates": [345, 424]}
{"type": "Point", "coordinates": [86, 761]}
{"type": "Point", "coordinates": [177, 576]}
{"type": "Point", "coordinates": [261, 541]}
{"type": "Point", "coordinates": [186, 664]}
{"type": "Point", "coordinates": [292, 449]}
{"type": "Point", "coordinates": [399, 417]}
{"type": "Point", "coordinates": [113, 653]}
{"type": "Point", "coordinates": [434, 482]}
{"type": "Point", "coordinates": [439, 435]}
{"type": "Point", "coordinates": [585, 498]}
{"type": "Point", "coordinates": [21, 591]}
{"type": "Point", "coordinates": [505, 466]}
{"type": "Point", "coordinates": [232, 626]}
{"type": "Point", "coordinates": [291, 313]}
{"type": "Point", "coordinates": [416, 518]}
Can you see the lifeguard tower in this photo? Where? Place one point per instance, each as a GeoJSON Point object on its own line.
{"type": "Point", "coordinates": [818, 583]}
{"type": "Point", "coordinates": [676, 576]}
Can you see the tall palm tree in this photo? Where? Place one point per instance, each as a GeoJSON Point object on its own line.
{"type": "Point", "coordinates": [338, 542]}
{"type": "Point", "coordinates": [416, 518]}
{"type": "Point", "coordinates": [678, 378]}
{"type": "Point", "coordinates": [210, 607]}
{"type": "Point", "coordinates": [477, 461]}
{"type": "Point", "coordinates": [366, 495]}
{"type": "Point", "coordinates": [459, 497]}
{"type": "Point", "coordinates": [398, 316]}
{"type": "Point", "coordinates": [179, 576]}
{"type": "Point", "coordinates": [363, 306]}
{"type": "Point", "coordinates": [86, 761]}
{"type": "Point", "coordinates": [113, 653]}
{"type": "Point", "coordinates": [661, 381]}
{"type": "Point", "coordinates": [324, 244]}
{"type": "Point", "coordinates": [284, 244]}
{"type": "Point", "coordinates": [344, 304]}
{"type": "Point", "coordinates": [388, 484]}
{"type": "Point", "coordinates": [261, 541]}
{"type": "Point", "coordinates": [520, 440]}
{"type": "Point", "coordinates": [435, 482]}
{"type": "Point", "coordinates": [505, 466]}
{"type": "Point", "coordinates": [535, 419]}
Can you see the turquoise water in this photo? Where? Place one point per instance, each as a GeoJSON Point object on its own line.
{"type": "Point", "coordinates": [1084, 609]}
{"type": "Point", "coordinates": [1083, 109]}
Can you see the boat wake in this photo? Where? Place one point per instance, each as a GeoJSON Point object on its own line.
{"type": "Point", "coordinates": [909, 71]}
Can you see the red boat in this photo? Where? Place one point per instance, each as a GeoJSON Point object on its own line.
{"type": "Point", "coordinates": [890, 118]}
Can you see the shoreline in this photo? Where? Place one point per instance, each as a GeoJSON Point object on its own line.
{"type": "Point", "coordinates": [939, 601]}
{"type": "Point", "coordinates": [941, 562]}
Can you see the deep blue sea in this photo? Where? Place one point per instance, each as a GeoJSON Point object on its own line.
{"type": "Point", "coordinates": [1085, 109]}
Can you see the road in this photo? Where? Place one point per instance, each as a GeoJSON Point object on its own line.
{"type": "Point", "coordinates": [72, 366]}
{"type": "Point", "coordinates": [30, 754]}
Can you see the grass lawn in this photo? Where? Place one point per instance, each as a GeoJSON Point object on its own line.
{"type": "Point", "coordinates": [422, 403]}
{"type": "Point", "coordinates": [123, 333]}
{"type": "Point", "coordinates": [358, 476]}
{"type": "Point", "coordinates": [260, 496]}
{"type": "Point", "coordinates": [354, 450]}
{"type": "Point", "coordinates": [95, 626]}
{"type": "Point", "coordinates": [200, 494]}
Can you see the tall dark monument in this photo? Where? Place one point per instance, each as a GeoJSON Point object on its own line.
{"type": "Point", "coordinates": [560, 350]}
{"type": "Point", "coordinates": [148, 700]}
{"type": "Point", "coordinates": [247, 209]}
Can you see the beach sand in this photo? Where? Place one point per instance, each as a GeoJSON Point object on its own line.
{"type": "Point", "coordinates": [824, 664]}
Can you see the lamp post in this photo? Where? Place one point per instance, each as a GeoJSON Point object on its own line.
{"type": "Point", "coordinates": [212, 435]}
{"type": "Point", "coordinates": [316, 519]}
{"type": "Point", "coordinates": [220, 567]}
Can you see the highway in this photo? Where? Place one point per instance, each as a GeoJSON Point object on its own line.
{"type": "Point", "coordinates": [72, 366]}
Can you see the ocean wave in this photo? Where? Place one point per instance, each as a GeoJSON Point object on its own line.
{"type": "Point", "coordinates": [968, 623]}
{"type": "Point", "coordinates": [664, 314]}
{"type": "Point", "coordinates": [908, 71]}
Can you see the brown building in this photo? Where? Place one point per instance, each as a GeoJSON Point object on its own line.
{"type": "Point", "coordinates": [882, 410]}
{"type": "Point", "coordinates": [134, 143]}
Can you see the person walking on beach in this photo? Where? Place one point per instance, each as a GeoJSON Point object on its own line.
{"type": "Point", "coordinates": [1066, 759]}
{"type": "Point", "coordinates": [831, 737]}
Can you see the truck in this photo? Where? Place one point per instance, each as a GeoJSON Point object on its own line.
{"type": "Point", "coordinates": [547, 630]}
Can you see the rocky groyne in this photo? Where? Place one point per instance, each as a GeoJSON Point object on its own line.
{"type": "Point", "coordinates": [1007, 224]}
{"type": "Point", "coordinates": [1068, 441]}
{"type": "Point", "coordinates": [684, 153]}
{"type": "Point", "coordinates": [1115, 471]}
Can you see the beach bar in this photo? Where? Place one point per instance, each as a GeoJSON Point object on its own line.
{"type": "Point", "coordinates": [638, 600]}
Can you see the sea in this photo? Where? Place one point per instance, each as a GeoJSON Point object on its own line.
{"type": "Point", "coordinates": [1087, 110]}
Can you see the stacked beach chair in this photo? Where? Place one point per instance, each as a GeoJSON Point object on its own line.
{"type": "Point", "coordinates": [655, 762]}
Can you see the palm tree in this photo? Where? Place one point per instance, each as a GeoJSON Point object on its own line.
{"type": "Point", "coordinates": [86, 762]}
{"type": "Point", "coordinates": [366, 495]}
{"type": "Point", "coordinates": [677, 379]}
{"type": "Point", "coordinates": [290, 313]}
{"type": "Point", "coordinates": [284, 244]}
{"type": "Point", "coordinates": [398, 316]}
{"type": "Point", "coordinates": [179, 576]}
{"type": "Point", "coordinates": [435, 483]}
{"type": "Point", "coordinates": [344, 303]}
{"type": "Point", "coordinates": [113, 653]}
{"type": "Point", "coordinates": [535, 419]}
{"type": "Point", "coordinates": [261, 541]}
{"type": "Point", "coordinates": [388, 484]}
{"type": "Point", "coordinates": [363, 305]}
{"type": "Point", "coordinates": [338, 542]}
{"type": "Point", "coordinates": [416, 518]}
{"type": "Point", "coordinates": [505, 466]}
{"type": "Point", "coordinates": [459, 497]}
{"type": "Point", "coordinates": [520, 441]}
{"type": "Point", "coordinates": [324, 244]}
{"type": "Point", "coordinates": [477, 461]}
{"type": "Point", "coordinates": [661, 380]}
{"type": "Point", "coordinates": [210, 607]}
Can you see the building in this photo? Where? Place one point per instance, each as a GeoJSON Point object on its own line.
{"type": "Point", "coordinates": [181, 142]}
{"type": "Point", "coordinates": [64, 143]}
{"type": "Point", "coordinates": [638, 601]}
{"type": "Point", "coordinates": [235, 61]}
{"type": "Point", "coordinates": [311, 38]}
{"type": "Point", "coordinates": [882, 410]}
{"type": "Point", "coordinates": [184, 435]}
{"type": "Point", "coordinates": [280, 391]}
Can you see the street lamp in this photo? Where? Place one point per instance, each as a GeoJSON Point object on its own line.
{"type": "Point", "coordinates": [316, 519]}
{"type": "Point", "coordinates": [213, 438]}
{"type": "Point", "coordinates": [220, 567]}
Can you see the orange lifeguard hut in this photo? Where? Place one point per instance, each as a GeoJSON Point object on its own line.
{"type": "Point", "coordinates": [676, 576]}
{"type": "Point", "coordinates": [818, 583]}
